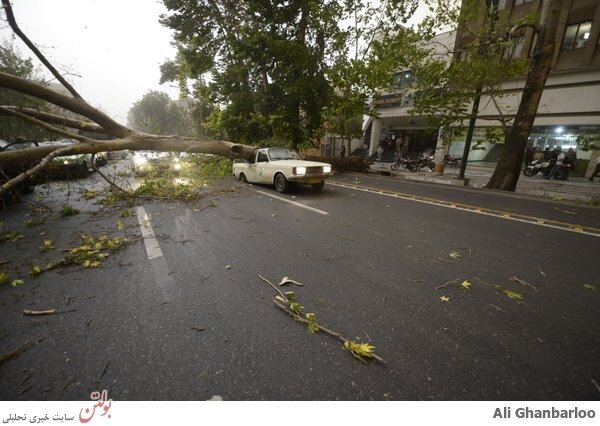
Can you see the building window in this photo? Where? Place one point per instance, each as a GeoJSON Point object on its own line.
{"type": "Point", "coordinates": [501, 4]}
{"type": "Point", "coordinates": [520, 2]}
{"type": "Point", "coordinates": [576, 35]}
{"type": "Point", "coordinates": [404, 79]}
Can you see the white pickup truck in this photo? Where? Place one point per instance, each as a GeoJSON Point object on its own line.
{"type": "Point", "coordinates": [281, 167]}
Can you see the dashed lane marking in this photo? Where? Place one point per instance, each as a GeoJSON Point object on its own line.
{"type": "Point", "coordinates": [152, 247]}
{"type": "Point", "coordinates": [548, 223]}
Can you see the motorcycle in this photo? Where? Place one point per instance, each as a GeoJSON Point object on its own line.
{"type": "Point", "coordinates": [427, 160]}
{"type": "Point", "coordinates": [411, 165]}
{"type": "Point", "coordinates": [552, 168]}
{"type": "Point", "coordinates": [536, 166]}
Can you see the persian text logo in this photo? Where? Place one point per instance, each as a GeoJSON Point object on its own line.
{"type": "Point", "coordinates": [103, 405]}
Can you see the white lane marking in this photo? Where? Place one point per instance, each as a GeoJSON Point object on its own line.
{"type": "Point", "coordinates": [449, 205]}
{"type": "Point", "coordinates": [152, 247]}
{"type": "Point", "coordinates": [291, 202]}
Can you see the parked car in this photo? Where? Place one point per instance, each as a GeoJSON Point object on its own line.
{"type": "Point", "coordinates": [71, 166]}
{"type": "Point", "coordinates": [153, 162]}
{"type": "Point", "coordinates": [8, 172]}
{"type": "Point", "coordinates": [282, 167]}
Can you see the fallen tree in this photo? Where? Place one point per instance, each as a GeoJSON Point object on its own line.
{"type": "Point", "coordinates": [92, 120]}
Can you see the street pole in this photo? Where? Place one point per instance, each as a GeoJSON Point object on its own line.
{"type": "Point", "coordinates": [492, 9]}
{"type": "Point", "coordinates": [470, 131]}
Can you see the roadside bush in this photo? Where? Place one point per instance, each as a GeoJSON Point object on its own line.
{"type": "Point", "coordinates": [349, 164]}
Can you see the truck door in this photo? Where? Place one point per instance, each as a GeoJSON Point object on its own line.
{"type": "Point", "coordinates": [261, 167]}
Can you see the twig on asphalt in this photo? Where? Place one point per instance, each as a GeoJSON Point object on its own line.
{"type": "Point", "coordinates": [276, 289]}
{"type": "Point", "coordinates": [454, 281]}
{"type": "Point", "coordinates": [523, 283]}
{"type": "Point", "coordinates": [46, 312]}
{"type": "Point", "coordinates": [596, 384]}
{"type": "Point", "coordinates": [67, 299]}
{"type": "Point", "coordinates": [13, 354]}
{"type": "Point", "coordinates": [540, 269]}
{"type": "Point", "coordinates": [497, 308]}
{"type": "Point", "coordinates": [102, 373]}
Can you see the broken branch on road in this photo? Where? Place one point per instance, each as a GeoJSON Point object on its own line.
{"type": "Point", "coordinates": [287, 303]}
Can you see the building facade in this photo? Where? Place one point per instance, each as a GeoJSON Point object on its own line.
{"type": "Point", "coordinates": [569, 109]}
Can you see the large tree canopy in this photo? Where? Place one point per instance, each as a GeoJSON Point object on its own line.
{"type": "Point", "coordinates": [280, 69]}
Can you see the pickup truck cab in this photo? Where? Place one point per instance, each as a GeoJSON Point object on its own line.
{"type": "Point", "coordinates": [281, 167]}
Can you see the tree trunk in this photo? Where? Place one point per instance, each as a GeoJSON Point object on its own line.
{"type": "Point", "coordinates": [508, 169]}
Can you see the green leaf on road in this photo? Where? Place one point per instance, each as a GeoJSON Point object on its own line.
{"type": "Point", "coordinates": [48, 245]}
{"type": "Point", "coordinates": [4, 277]}
{"type": "Point", "coordinates": [35, 270]}
{"type": "Point", "coordinates": [590, 287]}
{"type": "Point", "coordinates": [466, 285]}
{"type": "Point", "coordinates": [126, 213]}
{"type": "Point", "coordinates": [120, 225]}
{"type": "Point", "coordinates": [17, 282]}
{"type": "Point", "coordinates": [455, 255]}
{"type": "Point", "coordinates": [513, 294]}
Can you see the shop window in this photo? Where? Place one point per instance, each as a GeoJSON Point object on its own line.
{"type": "Point", "coordinates": [576, 35]}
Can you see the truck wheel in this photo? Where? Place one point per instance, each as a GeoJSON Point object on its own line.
{"type": "Point", "coordinates": [318, 186]}
{"type": "Point", "coordinates": [281, 183]}
{"type": "Point", "coordinates": [243, 178]}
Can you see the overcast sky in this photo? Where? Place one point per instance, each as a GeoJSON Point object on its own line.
{"type": "Point", "coordinates": [115, 46]}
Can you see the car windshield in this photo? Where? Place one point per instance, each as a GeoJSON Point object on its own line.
{"type": "Point", "coordinates": [283, 154]}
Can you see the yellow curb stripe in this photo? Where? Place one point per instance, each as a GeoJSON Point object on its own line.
{"type": "Point", "coordinates": [548, 223]}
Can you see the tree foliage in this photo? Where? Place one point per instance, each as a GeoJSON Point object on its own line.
{"type": "Point", "coordinates": [157, 113]}
{"type": "Point", "coordinates": [13, 62]}
{"type": "Point", "coordinates": [448, 81]}
{"type": "Point", "coordinates": [281, 69]}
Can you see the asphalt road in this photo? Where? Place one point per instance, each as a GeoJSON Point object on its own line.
{"type": "Point", "coordinates": [186, 317]}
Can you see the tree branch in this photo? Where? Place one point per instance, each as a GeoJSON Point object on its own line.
{"type": "Point", "coordinates": [44, 125]}
{"type": "Point", "coordinates": [15, 27]}
{"type": "Point", "coordinates": [76, 105]}
{"type": "Point", "coordinates": [56, 119]}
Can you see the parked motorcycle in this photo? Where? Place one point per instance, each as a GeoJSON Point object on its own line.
{"type": "Point", "coordinates": [552, 168]}
{"type": "Point", "coordinates": [427, 160]}
{"type": "Point", "coordinates": [411, 165]}
{"type": "Point", "coordinates": [535, 167]}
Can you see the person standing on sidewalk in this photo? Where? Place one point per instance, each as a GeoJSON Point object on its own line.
{"type": "Point", "coordinates": [379, 153]}
{"type": "Point", "coordinates": [596, 170]}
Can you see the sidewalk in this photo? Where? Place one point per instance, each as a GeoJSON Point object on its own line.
{"type": "Point", "coordinates": [574, 189]}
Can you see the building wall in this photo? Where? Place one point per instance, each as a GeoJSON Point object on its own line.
{"type": "Point", "coordinates": [570, 104]}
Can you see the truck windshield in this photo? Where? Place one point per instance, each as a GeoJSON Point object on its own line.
{"type": "Point", "coordinates": [283, 154]}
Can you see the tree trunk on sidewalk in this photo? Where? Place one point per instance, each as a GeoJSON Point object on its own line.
{"type": "Point", "coordinates": [508, 169]}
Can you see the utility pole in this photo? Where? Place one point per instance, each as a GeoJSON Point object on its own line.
{"type": "Point", "coordinates": [492, 13]}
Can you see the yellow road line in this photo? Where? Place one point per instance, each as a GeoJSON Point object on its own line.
{"type": "Point", "coordinates": [548, 223]}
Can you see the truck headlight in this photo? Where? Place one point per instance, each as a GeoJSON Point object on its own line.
{"type": "Point", "coordinates": [300, 171]}
{"type": "Point", "coordinates": [326, 169]}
